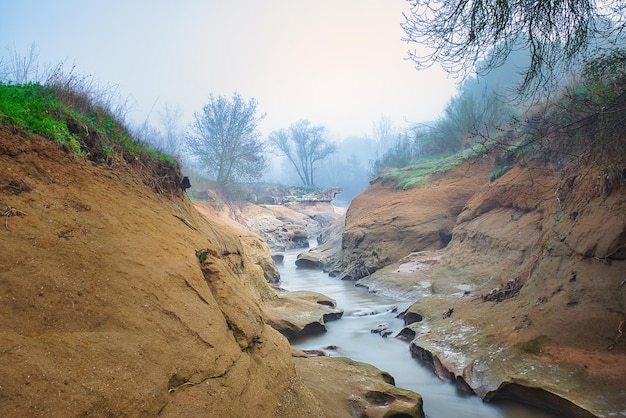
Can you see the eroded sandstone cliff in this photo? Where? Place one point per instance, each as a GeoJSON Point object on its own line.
{"type": "Point", "coordinates": [119, 301]}
{"type": "Point", "coordinates": [384, 224]}
{"type": "Point", "coordinates": [527, 299]}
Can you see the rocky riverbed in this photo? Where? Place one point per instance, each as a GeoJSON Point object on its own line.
{"type": "Point", "coordinates": [518, 283]}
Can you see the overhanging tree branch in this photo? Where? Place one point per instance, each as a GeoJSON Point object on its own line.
{"type": "Point", "coordinates": [459, 34]}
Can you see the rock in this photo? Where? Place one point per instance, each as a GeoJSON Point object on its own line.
{"type": "Point", "coordinates": [296, 314]}
{"type": "Point", "coordinates": [333, 315]}
{"type": "Point", "coordinates": [315, 353]}
{"type": "Point", "coordinates": [382, 329]}
{"type": "Point", "coordinates": [364, 391]}
{"type": "Point", "coordinates": [278, 257]}
{"type": "Point", "coordinates": [306, 260]}
{"type": "Point", "coordinates": [412, 317]}
{"type": "Point", "coordinates": [286, 227]}
{"type": "Point", "coordinates": [398, 280]}
{"type": "Point", "coordinates": [538, 337]}
{"type": "Point", "coordinates": [328, 253]}
{"type": "Point", "coordinates": [406, 334]}
{"type": "Point", "coordinates": [543, 338]}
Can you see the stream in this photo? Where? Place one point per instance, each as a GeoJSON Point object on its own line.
{"type": "Point", "coordinates": [353, 338]}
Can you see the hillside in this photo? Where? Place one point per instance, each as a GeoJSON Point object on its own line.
{"type": "Point", "coordinates": [118, 300]}
{"type": "Point", "coordinates": [527, 300]}
{"type": "Point", "coordinates": [385, 223]}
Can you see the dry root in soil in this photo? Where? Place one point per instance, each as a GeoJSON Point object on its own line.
{"type": "Point", "coordinates": [9, 211]}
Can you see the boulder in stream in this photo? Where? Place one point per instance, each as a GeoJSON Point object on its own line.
{"type": "Point", "coordinates": [300, 313]}
{"type": "Point", "coordinates": [365, 391]}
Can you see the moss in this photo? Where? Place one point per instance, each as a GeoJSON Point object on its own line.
{"type": "Point", "coordinates": [534, 346]}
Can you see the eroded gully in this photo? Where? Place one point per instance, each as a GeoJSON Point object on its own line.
{"type": "Point", "coordinates": [352, 337]}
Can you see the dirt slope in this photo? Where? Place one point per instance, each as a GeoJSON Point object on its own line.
{"type": "Point", "coordinates": [118, 301]}
{"type": "Point", "coordinates": [557, 239]}
{"type": "Point", "coordinates": [384, 224]}
{"type": "Point", "coordinates": [104, 310]}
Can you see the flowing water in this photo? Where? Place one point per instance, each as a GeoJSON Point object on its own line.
{"type": "Point", "coordinates": [353, 338]}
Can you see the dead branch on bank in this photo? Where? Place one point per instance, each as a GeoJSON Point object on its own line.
{"type": "Point", "coordinates": [620, 327]}
{"type": "Point", "coordinates": [8, 212]}
{"type": "Point", "coordinates": [511, 289]}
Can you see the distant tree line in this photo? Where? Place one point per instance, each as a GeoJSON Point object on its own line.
{"type": "Point", "coordinates": [481, 109]}
{"type": "Point", "coordinates": [224, 142]}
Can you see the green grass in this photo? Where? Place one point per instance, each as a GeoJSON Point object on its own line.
{"type": "Point", "coordinates": [421, 172]}
{"type": "Point", "coordinates": [37, 110]}
{"type": "Point", "coordinates": [498, 172]}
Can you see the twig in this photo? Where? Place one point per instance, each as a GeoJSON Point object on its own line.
{"type": "Point", "coordinates": [186, 222]}
{"type": "Point", "coordinates": [10, 211]}
{"type": "Point", "coordinates": [619, 334]}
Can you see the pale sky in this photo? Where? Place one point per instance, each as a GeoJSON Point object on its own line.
{"type": "Point", "coordinates": [338, 63]}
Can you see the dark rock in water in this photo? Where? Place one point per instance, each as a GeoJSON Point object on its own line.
{"type": "Point", "coordinates": [407, 334]}
{"type": "Point", "coordinates": [385, 333]}
{"type": "Point", "coordinates": [333, 316]}
{"type": "Point", "coordinates": [412, 317]}
{"type": "Point", "coordinates": [306, 260]}
{"type": "Point", "coordinates": [379, 328]}
{"type": "Point", "coordinates": [278, 257]}
{"type": "Point", "coordinates": [382, 329]}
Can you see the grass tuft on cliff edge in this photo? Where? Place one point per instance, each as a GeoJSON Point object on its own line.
{"type": "Point", "coordinates": [423, 171]}
{"type": "Point", "coordinates": [75, 121]}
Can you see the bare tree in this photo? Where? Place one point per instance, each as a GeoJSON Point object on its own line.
{"type": "Point", "coordinates": [383, 133]}
{"type": "Point", "coordinates": [303, 145]}
{"type": "Point", "coordinates": [170, 117]}
{"type": "Point", "coordinates": [21, 69]}
{"type": "Point", "coordinates": [224, 140]}
{"type": "Point", "coordinates": [458, 34]}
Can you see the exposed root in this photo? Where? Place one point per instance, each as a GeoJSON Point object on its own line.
{"type": "Point", "coordinates": [186, 222]}
{"type": "Point", "coordinates": [620, 328]}
{"type": "Point", "coordinates": [511, 289]}
{"type": "Point", "coordinates": [8, 212]}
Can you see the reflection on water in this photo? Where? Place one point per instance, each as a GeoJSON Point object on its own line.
{"type": "Point", "coordinates": [353, 338]}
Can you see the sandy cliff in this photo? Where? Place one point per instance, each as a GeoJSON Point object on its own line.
{"type": "Point", "coordinates": [384, 224]}
{"type": "Point", "coordinates": [527, 299]}
{"type": "Point", "coordinates": [119, 301]}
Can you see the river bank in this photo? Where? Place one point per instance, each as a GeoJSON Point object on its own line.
{"type": "Point", "coordinates": [516, 284]}
{"type": "Point", "coordinates": [352, 337]}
